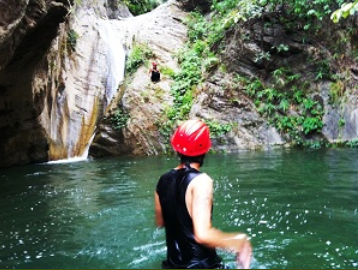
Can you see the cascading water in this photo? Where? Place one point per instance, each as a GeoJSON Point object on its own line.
{"type": "Point", "coordinates": [83, 157]}
{"type": "Point", "coordinates": [115, 57]}
{"type": "Point", "coordinates": [110, 49]}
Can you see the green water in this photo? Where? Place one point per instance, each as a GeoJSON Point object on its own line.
{"type": "Point", "coordinates": [299, 207]}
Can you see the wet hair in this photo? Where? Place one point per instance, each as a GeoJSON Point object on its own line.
{"type": "Point", "coordinates": [188, 159]}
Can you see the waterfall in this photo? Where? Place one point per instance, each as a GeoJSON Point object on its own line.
{"type": "Point", "coordinates": [111, 68]}
{"type": "Point", "coordinates": [75, 159]}
{"type": "Point", "coordinates": [115, 57]}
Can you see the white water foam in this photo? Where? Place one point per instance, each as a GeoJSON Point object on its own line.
{"type": "Point", "coordinates": [84, 156]}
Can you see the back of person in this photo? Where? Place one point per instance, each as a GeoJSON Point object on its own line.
{"type": "Point", "coordinates": [154, 73]}
{"type": "Point", "coordinates": [183, 205]}
{"type": "Point", "coordinates": [182, 249]}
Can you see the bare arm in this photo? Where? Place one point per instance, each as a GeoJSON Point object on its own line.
{"type": "Point", "coordinates": [199, 207]}
{"type": "Point", "coordinates": [158, 211]}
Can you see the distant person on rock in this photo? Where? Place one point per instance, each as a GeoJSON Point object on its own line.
{"type": "Point", "coordinates": [184, 206]}
{"type": "Point", "coordinates": [154, 73]}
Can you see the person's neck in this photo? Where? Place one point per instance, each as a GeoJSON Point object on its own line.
{"type": "Point", "coordinates": [194, 165]}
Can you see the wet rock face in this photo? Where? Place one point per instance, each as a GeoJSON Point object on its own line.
{"type": "Point", "coordinates": [143, 101]}
{"type": "Point", "coordinates": [116, 10]}
{"type": "Point", "coordinates": [302, 56]}
{"type": "Point", "coordinates": [53, 93]}
{"type": "Point", "coordinates": [27, 29]}
{"type": "Point", "coordinates": [11, 16]}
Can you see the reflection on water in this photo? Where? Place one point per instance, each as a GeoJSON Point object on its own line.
{"type": "Point", "coordinates": [299, 207]}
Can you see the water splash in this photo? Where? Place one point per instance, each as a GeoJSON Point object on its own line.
{"type": "Point", "coordinates": [83, 157]}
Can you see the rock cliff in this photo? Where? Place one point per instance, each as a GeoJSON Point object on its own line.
{"type": "Point", "coordinates": [163, 31]}
{"type": "Point", "coordinates": [27, 29]}
{"type": "Point", "coordinates": [63, 80]}
{"type": "Point", "coordinates": [222, 99]}
{"type": "Point", "coordinates": [61, 68]}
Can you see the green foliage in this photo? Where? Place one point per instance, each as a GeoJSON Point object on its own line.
{"type": "Point", "coordinates": [283, 100]}
{"type": "Point", "coordinates": [211, 62]}
{"type": "Point", "coordinates": [235, 11]}
{"type": "Point", "coordinates": [204, 34]}
{"type": "Point", "coordinates": [139, 54]}
{"type": "Point", "coordinates": [352, 144]}
{"type": "Point", "coordinates": [119, 119]}
{"type": "Point", "coordinates": [166, 71]}
{"type": "Point", "coordinates": [323, 70]}
{"type": "Point", "coordinates": [224, 6]}
{"type": "Point", "coordinates": [137, 7]}
{"type": "Point", "coordinates": [72, 37]}
{"type": "Point", "coordinates": [341, 122]}
{"type": "Point", "coordinates": [275, 102]}
{"type": "Point", "coordinates": [253, 87]}
{"type": "Point", "coordinates": [311, 124]}
{"type": "Point", "coordinates": [347, 9]}
{"type": "Point", "coordinates": [310, 12]}
{"type": "Point", "coordinates": [197, 27]}
{"type": "Point", "coordinates": [336, 91]}
{"type": "Point", "coordinates": [298, 95]}
{"type": "Point", "coordinates": [317, 144]}
{"type": "Point", "coordinates": [192, 58]}
{"type": "Point", "coordinates": [284, 105]}
{"type": "Point", "coordinates": [216, 33]}
{"type": "Point", "coordinates": [181, 90]}
{"type": "Point", "coordinates": [217, 129]}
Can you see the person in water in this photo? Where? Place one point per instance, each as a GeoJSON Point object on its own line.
{"type": "Point", "coordinates": [184, 205]}
{"type": "Point", "coordinates": [154, 73]}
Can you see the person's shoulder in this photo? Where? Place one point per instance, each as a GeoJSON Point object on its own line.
{"type": "Point", "coordinates": [168, 174]}
{"type": "Point", "coordinates": [203, 178]}
{"type": "Point", "coordinates": [206, 176]}
{"type": "Point", "coordinates": [164, 179]}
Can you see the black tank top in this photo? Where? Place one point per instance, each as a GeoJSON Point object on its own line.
{"type": "Point", "coordinates": [182, 249]}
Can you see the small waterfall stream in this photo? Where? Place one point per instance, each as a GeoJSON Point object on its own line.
{"type": "Point", "coordinates": [83, 157]}
{"type": "Point", "coordinates": [115, 57]}
{"type": "Point", "coordinates": [110, 75]}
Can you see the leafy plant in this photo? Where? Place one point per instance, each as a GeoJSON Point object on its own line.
{"type": "Point", "coordinates": [298, 95]}
{"type": "Point", "coordinates": [72, 37]}
{"type": "Point", "coordinates": [311, 124]}
{"type": "Point", "coordinates": [137, 7]}
{"type": "Point", "coordinates": [341, 122]}
{"type": "Point", "coordinates": [284, 105]}
{"type": "Point", "coordinates": [210, 62]}
{"type": "Point", "coordinates": [336, 90]}
{"type": "Point", "coordinates": [217, 129]}
{"type": "Point", "coordinates": [347, 9]}
{"type": "Point", "coordinates": [317, 144]}
{"type": "Point", "coordinates": [119, 119]}
{"type": "Point", "coordinates": [139, 54]}
{"type": "Point", "coordinates": [352, 144]}
{"type": "Point", "coordinates": [253, 87]}
{"type": "Point", "coordinates": [282, 98]}
{"type": "Point", "coordinates": [166, 71]}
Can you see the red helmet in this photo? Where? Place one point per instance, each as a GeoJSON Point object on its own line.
{"type": "Point", "coordinates": [192, 138]}
{"type": "Point", "coordinates": [154, 63]}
